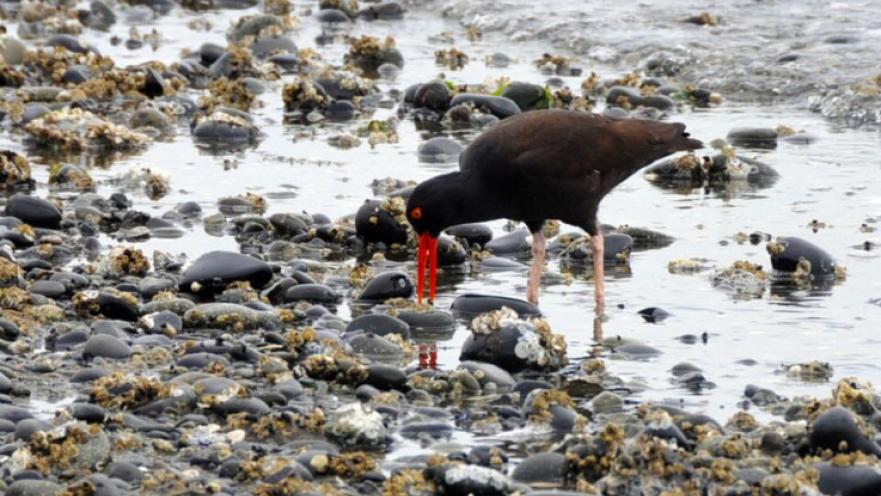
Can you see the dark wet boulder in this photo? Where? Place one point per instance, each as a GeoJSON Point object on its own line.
{"type": "Point", "coordinates": [428, 323]}
{"type": "Point", "coordinates": [439, 150]}
{"type": "Point", "coordinates": [111, 305]}
{"type": "Point", "coordinates": [376, 224]}
{"type": "Point", "coordinates": [76, 74]}
{"type": "Point", "coordinates": [542, 468]}
{"type": "Point", "coordinates": [88, 412]}
{"type": "Point", "coordinates": [428, 429]}
{"type": "Point", "coordinates": [225, 129]}
{"type": "Point", "coordinates": [470, 305]}
{"type": "Point", "coordinates": [209, 53]}
{"type": "Point", "coordinates": [287, 62]}
{"type": "Point", "coordinates": [669, 432]}
{"type": "Point", "coordinates": [472, 234]}
{"type": "Point", "coordinates": [215, 270]}
{"type": "Point", "coordinates": [289, 224]}
{"type": "Point", "coordinates": [623, 96]}
{"type": "Point", "coordinates": [653, 315]}
{"type": "Point", "coordinates": [154, 84]}
{"type": "Point", "coordinates": [34, 487]}
{"type": "Point", "coordinates": [432, 96]}
{"type": "Point", "coordinates": [69, 43]}
{"type": "Point", "coordinates": [488, 373]}
{"type": "Point", "coordinates": [528, 96]}
{"type": "Point", "coordinates": [616, 249]}
{"type": "Point", "coordinates": [49, 289]}
{"type": "Point", "coordinates": [837, 430]}
{"type": "Point", "coordinates": [516, 243]}
{"type": "Point", "coordinates": [88, 374]}
{"type": "Point", "coordinates": [34, 211]}
{"type": "Point", "coordinates": [201, 360]}
{"type": "Point", "coordinates": [385, 377]}
{"type": "Point", "coordinates": [340, 110]}
{"type": "Point", "coordinates": [106, 346]}
{"type": "Point", "coordinates": [384, 10]}
{"type": "Point", "coordinates": [5, 384]}
{"type": "Point", "coordinates": [27, 428]}
{"type": "Point", "coordinates": [14, 413]}
{"type": "Point", "coordinates": [645, 239]}
{"type": "Point", "coordinates": [251, 406]}
{"type": "Point", "coordinates": [753, 137]}
{"type": "Point", "coordinates": [373, 346]}
{"type": "Point", "coordinates": [124, 471]}
{"type": "Point", "coordinates": [380, 325]}
{"type": "Point", "coordinates": [635, 350]}
{"type": "Point", "coordinates": [849, 480]}
{"type": "Point", "coordinates": [332, 16]}
{"type": "Point", "coordinates": [387, 285]}
{"type": "Point", "coordinates": [499, 264]}
{"type": "Point", "coordinates": [791, 254]}
{"type": "Point", "coordinates": [450, 252]}
{"type": "Point", "coordinates": [660, 102]}
{"type": "Point", "coordinates": [313, 293]}
{"type": "Point", "coordinates": [498, 106]}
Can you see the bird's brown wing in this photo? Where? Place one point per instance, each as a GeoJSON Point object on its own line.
{"type": "Point", "coordinates": [551, 145]}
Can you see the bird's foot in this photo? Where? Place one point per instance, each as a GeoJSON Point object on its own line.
{"type": "Point", "coordinates": [532, 298]}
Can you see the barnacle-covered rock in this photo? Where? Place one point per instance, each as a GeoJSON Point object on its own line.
{"type": "Point", "coordinates": [461, 479]}
{"type": "Point", "coordinates": [15, 171]}
{"type": "Point", "coordinates": [802, 259]}
{"type": "Point", "coordinates": [715, 172]}
{"type": "Point", "coordinates": [304, 95]}
{"type": "Point", "coordinates": [743, 278]}
{"type": "Point", "coordinates": [357, 425]}
{"type": "Point", "coordinates": [501, 338]}
{"type": "Point", "coordinates": [225, 127]}
{"type": "Point", "coordinates": [383, 221]}
{"type": "Point", "coordinates": [74, 129]}
{"type": "Point", "coordinates": [71, 176]}
{"type": "Point", "coordinates": [368, 53]}
{"type": "Point", "coordinates": [124, 260]}
{"type": "Point", "coordinates": [71, 447]}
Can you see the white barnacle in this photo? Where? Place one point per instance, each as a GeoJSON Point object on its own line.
{"type": "Point", "coordinates": [489, 322]}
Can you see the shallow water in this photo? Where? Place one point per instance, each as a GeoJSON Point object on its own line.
{"type": "Point", "coordinates": [835, 180]}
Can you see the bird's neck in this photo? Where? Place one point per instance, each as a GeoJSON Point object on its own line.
{"type": "Point", "coordinates": [470, 199]}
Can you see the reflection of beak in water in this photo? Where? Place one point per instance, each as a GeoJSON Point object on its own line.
{"type": "Point", "coordinates": [428, 356]}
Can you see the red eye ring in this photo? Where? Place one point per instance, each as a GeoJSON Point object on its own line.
{"type": "Point", "coordinates": [416, 213]}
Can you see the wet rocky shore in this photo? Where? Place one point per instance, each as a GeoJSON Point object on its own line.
{"type": "Point", "coordinates": [205, 267]}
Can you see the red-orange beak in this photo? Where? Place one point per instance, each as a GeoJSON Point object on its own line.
{"type": "Point", "coordinates": [427, 249]}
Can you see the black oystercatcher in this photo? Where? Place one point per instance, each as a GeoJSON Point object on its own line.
{"type": "Point", "coordinates": [549, 164]}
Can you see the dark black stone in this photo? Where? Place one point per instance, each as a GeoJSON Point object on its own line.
{"type": "Point", "coordinates": [387, 285]}
{"type": "Point", "coordinates": [837, 430]}
{"type": "Point", "coordinates": [498, 106]}
{"type": "Point", "coordinates": [34, 211]}
{"type": "Point", "coordinates": [470, 305]}
{"type": "Point", "coordinates": [217, 269]}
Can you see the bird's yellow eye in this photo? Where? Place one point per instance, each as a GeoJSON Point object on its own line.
{"type": "Point", "coordinates": [416, 213]}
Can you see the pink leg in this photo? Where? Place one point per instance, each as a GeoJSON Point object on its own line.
{"type": "Point", "coordinates": [596, 244]}
{"type": "Point", "coordinates": [538, 262]}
